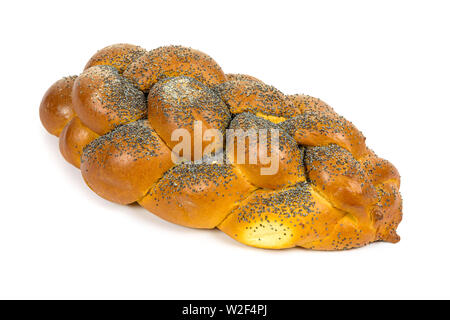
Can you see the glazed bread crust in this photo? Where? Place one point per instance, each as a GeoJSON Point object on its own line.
{"type": "Point", "coordinates": [104, 100]}
{"type": "Point", "coordinates": [289, 155]}
{"type": "Point", "coordinates": [244, 94]}
{"type": "Point", "coordinates": [74, 137]}
{"type": "Point", "coordinates": [179, 196]}
{"type": "Point", "coordinates": [173, 61]}
{"type": "Point", "coordinates": [329, 192]}
{"type": "Point", "coordinates": [122, 165]}
{"type": "Point", "coordinates": [279, 219]}
{"type": "Point", "coordinates": [119, 55]}
{"type": "Point", "coordinates": [178, 102]}
{"type": "Point", "coordinates": [56, 108]}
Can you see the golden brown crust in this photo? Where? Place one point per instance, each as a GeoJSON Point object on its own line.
{"type": "Point", "coordinates": [103, 99]}
{"type": "Point", "coordinates": [278, 219]}
{"type": "Point", "coordinates": [327, 190]}
{"type": "Point", "coordinates": [241, 77]}
{"type": "Point", "coordinates": [122, 165]}
{"type": "Point", "coordinates": [74, 137]}
{"type": "Point", "coordinates": [289, 157]}
{"type": "Point", "coordinates": [302, 103]}
{"type": "Point", "coordinates": [56, 109]}
{"type": "Point", "coordinates": [117, 55]}
{"type": "Point", "coordinates": [174, 61]}
{"type": "Point", "coordinates": [178, 102]}
{"type": "Point", "coordinates": [379, 170]}
{"type": "Point", "coordinates": [337, 175]}
{"type": "Point", "coordinates": [320, 129]}
{"type": "Point", "coordinates": [197, 195]}
{"type": "Point", "coordinates": [254, 96]}
{"type": "Point", "coordinates": [346, 233]}
{"type": "Point", "coordinates": [388, 211]}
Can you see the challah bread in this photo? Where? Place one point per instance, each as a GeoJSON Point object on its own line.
{"type": "Point", "coordinates": [314, 128]}
{"type": "Point", "coordinates": [379, 170]}
{"type": "Point", "coordinates": [189, 192]}
{"type": "Point", "coordinates": [178, 102]}
{"type": "Point", "coordinates": [341, 179]}
{"type": "Point", "coordinates": [328, 191]}
{"type": "Point", "coordinates": [284, 218]}
{"type": "Point", "coordinates": [289, 156]}
{"type": "Point", "coordinates": [103, 99]}
{"type": "Point", "coordinates": [302, 103]}
{"type": "Point", "coordinates": [123, 164]}
{"type": "Point", "coordinates": [74, 137]}
{"type": "Point", "coordinates": [387, 213]}
{"type": "Point", "coordinates": [56, 109]}
{"type": "Point", "coordinates": [118, 55]}
{"type": "Point", "coordinates": [243, 94]}
{"type": "Point", "coordinates": [173, 61]}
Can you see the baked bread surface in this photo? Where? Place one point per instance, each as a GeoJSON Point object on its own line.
{"type": "Point", "coordinates": [115, 120]}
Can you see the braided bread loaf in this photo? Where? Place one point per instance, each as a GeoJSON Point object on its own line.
{"type": "Point", "coordinates": [115, 122]}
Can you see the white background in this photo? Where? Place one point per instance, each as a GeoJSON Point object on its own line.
{"type": "Point", "coordinates": [385, 65]}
